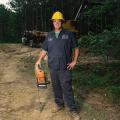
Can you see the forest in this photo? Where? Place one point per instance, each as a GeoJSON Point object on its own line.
{"type": "Point", "coordinates": [99, 27]}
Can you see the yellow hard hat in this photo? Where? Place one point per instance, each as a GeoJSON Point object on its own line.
{"type": "Point", "coordinates": [57, 16]}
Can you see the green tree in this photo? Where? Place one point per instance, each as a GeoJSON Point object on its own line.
{"type": "Point", "coordinates": [6, 24]}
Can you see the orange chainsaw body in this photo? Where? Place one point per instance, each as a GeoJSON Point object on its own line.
{"type": "Point", "coordinates": [41, 78]}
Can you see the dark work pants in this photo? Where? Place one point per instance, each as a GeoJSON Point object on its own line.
{"type": "Point", "coordinates": [62, 88]}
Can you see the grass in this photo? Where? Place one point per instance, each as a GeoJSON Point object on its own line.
{"type": "Point", "coordinates": [103, 77]}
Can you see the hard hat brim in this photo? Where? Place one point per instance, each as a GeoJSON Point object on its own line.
{"type": "Point", "coordinates": [58, 19]}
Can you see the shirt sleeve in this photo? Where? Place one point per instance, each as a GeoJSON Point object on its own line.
{"type": "Point", "coordinates": [45, 44]}
{"type": "Point", "coordinates": [74, 42]}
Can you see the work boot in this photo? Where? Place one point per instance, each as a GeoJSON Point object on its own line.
{"type": "Point", "coordinates": [75, 115]}
{"type": "Point", "coordinates": [57, 108]}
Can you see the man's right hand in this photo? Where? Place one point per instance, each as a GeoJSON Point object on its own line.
{"type": "Point", "coordinates": [42, 55]}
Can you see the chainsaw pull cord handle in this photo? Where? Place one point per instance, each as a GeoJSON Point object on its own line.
{"type": "Point", "coordinates": [39, 66]}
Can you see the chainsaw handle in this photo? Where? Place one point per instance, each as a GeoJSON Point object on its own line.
{"type": "Point", "coordinates": [39, 66]}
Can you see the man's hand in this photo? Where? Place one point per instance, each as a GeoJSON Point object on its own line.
{"type": "Point", "coordinates": [75, 59]}
{"type": "Point", "coordinates": [42, 55]}
{"type": "Point", "coordinates": [71, 65]}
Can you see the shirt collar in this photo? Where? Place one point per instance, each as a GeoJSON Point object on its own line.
{"type": "Point", "coordinates": [61, 32]}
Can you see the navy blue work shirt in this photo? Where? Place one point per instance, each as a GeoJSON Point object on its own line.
{"type": "Point", "coordinates": [59, 49]}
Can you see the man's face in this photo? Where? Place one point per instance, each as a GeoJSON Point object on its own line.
{"type": "Point", "coordinates": [57, 24]}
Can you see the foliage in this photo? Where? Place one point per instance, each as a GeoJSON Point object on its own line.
{"type": "Point", "coordinates": [8, 23]}
{"type": "Point", "coordinates": [100, 77]}
{"type": "Point", "coordinates": [36, 14]}
{"type": "Point", "coordinates": [96, 18]}
{"type": "Point", "coordinates": [113, 93]}
{"type": "Point", "coordinates": [105, 44]}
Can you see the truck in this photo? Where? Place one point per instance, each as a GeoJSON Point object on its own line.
{"type": "Point", "coordinates": [33, 38]}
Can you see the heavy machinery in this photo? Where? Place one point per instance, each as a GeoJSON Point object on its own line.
{"type": "Point", "coordinates": [33, 38]}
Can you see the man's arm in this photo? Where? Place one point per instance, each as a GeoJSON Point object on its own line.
{"type": "Point", "coordinates": [43, 53]}
{"type": "Point", "coordinates": [76, 55]}
{"type": "Point", "coordinates": [75, 59]}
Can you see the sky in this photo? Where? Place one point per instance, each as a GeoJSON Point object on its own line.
{"type": "Point", "coordinates": [4, 2]}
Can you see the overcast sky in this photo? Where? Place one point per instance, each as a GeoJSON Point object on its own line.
{"type": "Point", "coordinates": [4, 2]}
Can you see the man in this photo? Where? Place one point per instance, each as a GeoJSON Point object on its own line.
{"type": "Point", "coordinates": [59, 45]}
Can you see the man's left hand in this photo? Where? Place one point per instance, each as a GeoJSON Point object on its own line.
{"type": "Point", "coordinates": [71, 65]}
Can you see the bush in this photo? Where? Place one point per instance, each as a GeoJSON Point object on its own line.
{"type": "Point", "coordinates": [98, 77]}
{"type": "Point", "coordinates": [105, 44]}
{"type": "Point", "coordinates": [113, 93]}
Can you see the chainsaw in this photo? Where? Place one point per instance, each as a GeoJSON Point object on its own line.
{"type": "Point", "coordinates": [41, 77]}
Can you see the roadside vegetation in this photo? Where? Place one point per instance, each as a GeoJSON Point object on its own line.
{"type": "Point", "coordinates": [103, 79]}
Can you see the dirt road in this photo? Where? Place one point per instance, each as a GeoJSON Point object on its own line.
{"type": "Point", "coordinates": [19, 97]}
